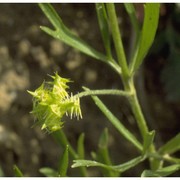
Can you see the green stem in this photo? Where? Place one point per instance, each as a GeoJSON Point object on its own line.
{"type": "Point", "coordinates": [138, 115]}
{"type": "Point", "coordinates": [127, 78]}
{"type": "Point", "coordinates": [127, 81]}
{"type": "Point", "coordinates": [117, 39]}
{"type": "Point", "coordinates": [102, 92]}
{"type": "Point", "coordinates": [143, 128]}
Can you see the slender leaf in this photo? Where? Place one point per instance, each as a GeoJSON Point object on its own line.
{"type": "Point", "coordinates": [80, 151]}
{"type": "Point", "coordinates": [103, 140]}
{"type": "Point", "coordinates": [80, 146]}
{"type": "Point", "coordinates": [149, 173]}
{"type": "Point", "coordinates": [166, 171]}
{"type": "Point", "coordinates": [48, 172]}
{"type": "Point", "coordinates": [62, 33]}
{"type": "Point", "coordinates": [147, 35]}
{"type": "Point", "coordinates": [63, 163]}
{"type": "Point", "coordinates": [171, 146]}
{"type": "Point", "coordinates": [117, 124]}
{"type": "Point", "coordinates": [63, 141]}
{"type": "Point", "coordinates": [104, 27]}
{"type": "Point", "coordinates": [103, 154]}
{"type": "Point", "coordinates": [120, 168]}
{"type": "Point", "coordinates": [172, 159]}
{"type": "Point", "coordinates": [17, 171]}
{"type": "Point", "coordinates": [89, 163]}
{"type": "Point", "coordinates": [133, 162]}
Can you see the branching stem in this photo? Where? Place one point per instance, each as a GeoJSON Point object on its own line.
{"type": "Point", "coordinates": [127, 78]}
{"type": "Point", "coordinates": [102, 92]}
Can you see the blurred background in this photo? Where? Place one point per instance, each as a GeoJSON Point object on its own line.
{"type": "Point", "coordinates": [27, 55]}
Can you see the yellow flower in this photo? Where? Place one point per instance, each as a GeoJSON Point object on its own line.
{"type": "Point", "coordinates": [51, 101]}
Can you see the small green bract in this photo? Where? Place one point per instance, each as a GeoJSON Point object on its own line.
{"type": "Point", "coordinates": [51, 101]}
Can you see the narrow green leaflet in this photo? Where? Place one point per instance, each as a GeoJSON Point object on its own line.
{"type": "Point", "coordinates": [48, 172]}
{"type": "Point", "coordinates": [89, 163]}
{"type": "Point", "coordinates": [151, 18]}
{"type": "Point", "coordinates": [104, 27]}
{"type": "Point", "coordinates": [103, 140]}
{"type": "Point", "coordinates": [80, 146]}
{"type": "Point", "coordinates": [17, 171]}
{"type": "Point", "coordinates": [62, 33]}
{"type": "Point", "coordinates": [117, 124]}
{"type": "Point", "coordinates": [103, 154]}
{"type": "Point", "coordinates": [63, 163]}
{"type": "Point", "coordinates": [81, 152]}
{"type": "Point", "coordinates": [127, 165]}
{"type": "Point", "coordinates": [166, 171]}
{"type": "Point", "coordinates": [62, 140]}
{"type": "Point", "coordinates": [172, 159]}
{"type": "Point", "coordinates": [171, 146]}
{"type": "Point", "coordinates": [120, 168]}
